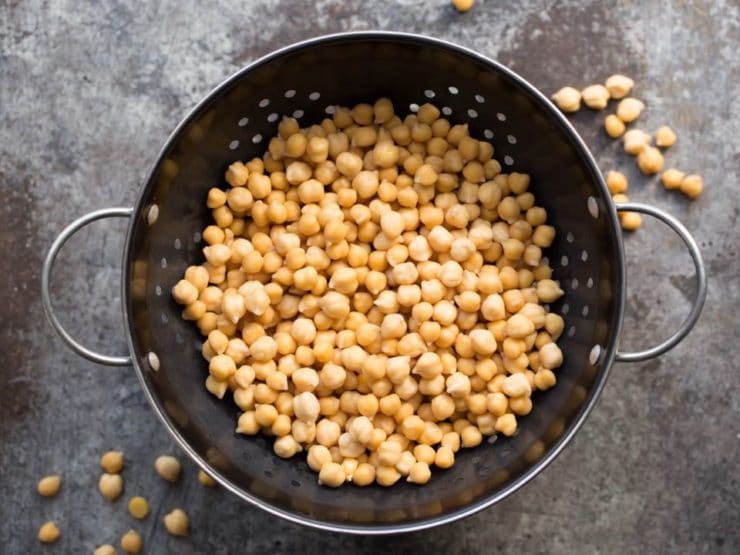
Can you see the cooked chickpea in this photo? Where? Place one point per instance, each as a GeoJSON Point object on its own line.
{"type": "Point", "coordinates": [110, 486]}
{"type": "Point", "coordinates": [49, 532]}
{"type": "Point", "coordinates": [665, 137]}
{"type": "Point", "coordinates": [168, 467]}
{"type": "Point", "coordinates": [629, 109]}
{"type": "Point", "coordinates": [306, 406]}
{"type": "Point", "coordinates": [635, 141]}
{"type": "Point", "coordinates": [444, 458]}
{"type": "Point", "coordinates": [619, 86]}
{"type": "Point", "coordinates": [568, 99]}
{"type": "Point", "coordinates": [185, 292]}
{"type": "Point", "coordinates": [614, 126]}
{"type": "Point", "coordinates": [630, 221]}
{"type": "Point", "coordinates": [138, 507]}
{"type": "Point", "coordinates": [617, 182]}
{"type": "Point", "coordinates": [48, 486]}
{"type": "Point", "coordinates": [544, 379]}
{"type": "Point", "coordinates": [332, 474]}
{"type": "Point", "coordinates": [205, 479]}
{"type": "Point", "coordinates": [177, 522]}
{"type": "Point", "coordinates": [672, 178]}
{"type": "Point", "coordinates": [692, 186]}
{"type": "Point", "coordinates": [550, 356]}
{"type": "Point", "coordinates": [650, 160]}
{"type": "Point", "coordinates": [595, 97]}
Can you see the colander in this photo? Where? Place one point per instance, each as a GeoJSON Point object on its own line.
{"type": "Point", "coordinates": [307, 80]}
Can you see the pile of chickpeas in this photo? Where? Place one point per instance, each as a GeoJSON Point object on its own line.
{"type": "Point", "coordinates": [374, 293]}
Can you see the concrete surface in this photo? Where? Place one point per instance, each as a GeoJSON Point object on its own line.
{"type": "Point", "coordinates": [90, 90]}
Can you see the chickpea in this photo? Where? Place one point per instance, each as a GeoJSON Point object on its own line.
{"type": "Point", "coordinates": [138, 507]}
{"type": "Point", "coordinates": [444, 457]}
{"type": "Point", "coordinates": [49, 532]}
{"type": "Point", "coordinates": [185, 292]}
{"type": "Point", "coordinates": [506, 424]}
{"type": "Point", "coordinates": [650, 160]}
{"type": "Point", "coordinates": [483, 342]}
{"type": "Point", "coordinates": [131, 542]}
{"type": "Point", "coordinates": [568, 99]}
{"type": "Point", "coordinates": [630, 221]}
{"type": "Point", "coordinates": [595, 97]}
{"type": "Point", "coordinates": [168, 467]}
{"type": "Point", "coordinates": [110, 486]}
{"type": "Point", "coordinates": [614, 126]}
{"type": "Point", "coordinates": [332, 474]}
{"type": "Point", "coordinates": [544, 379]}
{"type": "Point", "coordinates": [48, 486]}
{"type": "Point", "coordinates": [635, 141]}
{"type": "Point", "coordinates": [386, 475]}
{"type": "Point", "coordinates": [112, 462]}
{"type": "Point", "coordinates": [286, 446]}
{"type": "Point", "coordinates": [548, 291]}
{"type": "Point", "coordinates": [617, 182]}
{"type": "Point", "coordinates": [619, 86]}
{"type": "Point", "coordinates": [692, 186]}
{"type": "Point", "coordinates": [306, 406]}
{"type": "Point", "coordinates": [105, 549]}
{"type": "Point", "coordinates": [672, 178]}
{"type": "Point", "coordinates": [665, 137]}
{"type": "Point", "coordinates": [550, 356]}
{"type": "Point", "coordinates": [629, 109]}
{"type": "Point", "coordinates": [458, 385]}
{"type": "Point", "coordinates": [177, 522]}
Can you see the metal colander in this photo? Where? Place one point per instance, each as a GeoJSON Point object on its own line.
{"type": "Point", "coordinates": [306, 81]}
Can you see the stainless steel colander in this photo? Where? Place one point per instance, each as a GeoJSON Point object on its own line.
{"type": "Point", "coordinates": [306, 81]}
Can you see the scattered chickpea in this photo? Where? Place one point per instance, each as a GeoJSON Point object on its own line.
{"type": "Point", "coordinates": [131, 542]}
{"type": "Point", "coordinates": [49, 532]}
{"type": "Point", "coordinates": [138, 507]}
{"type": "Point", "coordinates": [619, 86]}
{"type": "Point", "coordinates": [614, 126]}
{"type": "Point", "coordinates": [168, 467]}
{"type": "Point", "coordinates": [105, 549]}
{"type": "Point", "coordinates": [177, 522]}
{"type": "Point", "coordinates": [629, 109]}
{"type": "Point", "coordinates": [112, 462]}
{"type": "Point", "coordinates": [692, 186]}
{"type": "Point", "coordinates": [359, 304]}
{"type": "Point", "coordinates": [595, 97]}
{"type": "Point", "coordinates": [617, 182]}
{"type": "Point", "coordinates": [635, 141]}
{"type": "Point", "coordinates": [463, 6]}
{"type": "Point", "coordinates": [111, 486]}
{"type": "Point", "coordinates": [672, 178]}
{"type": "Point", "coordinates": [665, 137]}
{"type": "Point", "coordinates": [568, 99]}
{"type": "Point", "coordinates": [49, 485]}
{"type": "Point", "coordinates": [650, 160]}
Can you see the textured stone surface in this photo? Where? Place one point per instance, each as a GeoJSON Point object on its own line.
{"type": "Point", "coordinates": [89, 92]}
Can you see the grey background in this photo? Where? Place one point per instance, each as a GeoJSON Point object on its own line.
{"type": "Point", "coordinates": [90, 90]}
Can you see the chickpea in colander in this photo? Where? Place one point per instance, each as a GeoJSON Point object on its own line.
{"type": "Point", "coordinates": [373, 294]}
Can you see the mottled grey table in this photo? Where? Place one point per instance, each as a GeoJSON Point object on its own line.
{"type": "Point", "coordinates": [89, 92]}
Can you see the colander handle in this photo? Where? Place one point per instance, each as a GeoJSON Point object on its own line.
{"type": "Point", "coordinates": [701, 282]}
{"type": "Point", "coordinates": [51, 256]}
